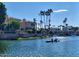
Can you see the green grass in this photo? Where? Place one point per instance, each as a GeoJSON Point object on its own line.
{"type": "Point", "coordinates": [32, 38]}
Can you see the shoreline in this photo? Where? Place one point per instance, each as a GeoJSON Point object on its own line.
{"type": "Point", "coordinates": [33, 38]}
{"type": "Point", "coordinates": [28, 36]}
{"type": "Point", "coordinates": [43, 37]}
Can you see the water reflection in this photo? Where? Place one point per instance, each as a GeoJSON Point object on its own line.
{"type": "Point", "coordinates": [3, 47]}
{"type": "Point", "coordinates": [68, 46]}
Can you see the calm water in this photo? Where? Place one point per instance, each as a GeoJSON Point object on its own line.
{"type": "Point", "coordinates": [68, 46]}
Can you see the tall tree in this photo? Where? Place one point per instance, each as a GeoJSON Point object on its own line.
{"type": "Point", "coordinates": [47, 17]}
{"type": "Point", "coordinates": [2, 15]}
{"type": "Point", "coordinates": [34, 20]}
{"type": "Point", "coordinates": [35, 25]}
{"type": "Point", "coordinates": [13, 25]}
{"type": "Point", "coordinates": [50, 11]}
{"type": "Point", "coordinates": [42, 14]}
{"type": "Point", "coordinates": [41, 23]}
{"type": "Point", "coordinates": [64, 21]}
{"type": "Point", "coordinates": [41, 26]}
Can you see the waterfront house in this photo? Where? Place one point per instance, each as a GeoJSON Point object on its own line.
{"type": "Point", "coordinates": [27, 25]}
{"type": "Point", "coordinates": [55, 30]}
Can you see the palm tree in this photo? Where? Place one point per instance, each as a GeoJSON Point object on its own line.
{"type": "Point", "coordinates": [50, 11]}
{"type": "Point", "coordinates": [42, 14]}
{"type": "Point", "coordinates": [64, 21]}
{"type": "Point", "coordinates": [44, 20]}
{"type": "Point", "coordinates": [41, 26]}
{"type": "Point", "coordinates": [66, 25]}
{"type": "Point", "coordinates": [41, 23]}
{"type": "Point", "coordinates": [34, 20]}
{"type": "Point", "coordinates": [35, 25]}
{"type": "Point", "coordinates": [48, 16]}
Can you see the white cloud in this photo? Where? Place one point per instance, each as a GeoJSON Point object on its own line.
{"type": "Point", "coordinates": [62, 10]}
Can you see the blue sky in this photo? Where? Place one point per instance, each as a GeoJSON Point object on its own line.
{"type": "Point", "coordinates": [30, 10]}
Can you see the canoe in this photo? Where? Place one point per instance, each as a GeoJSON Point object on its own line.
{"type": "Point", "coordinates": [56, 40]}
{"type": "Point", "coordinates": [48, 41]}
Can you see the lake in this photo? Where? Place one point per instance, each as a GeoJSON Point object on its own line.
{"type": "Point", "coordinates": [67, 47]}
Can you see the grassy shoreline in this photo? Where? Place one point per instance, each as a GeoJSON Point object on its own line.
{"type": "Point", "coordinates": [36, 37]}
{"type": "Point", "coordinates": [33, 38]}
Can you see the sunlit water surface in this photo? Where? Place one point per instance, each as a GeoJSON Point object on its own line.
{"type": "Point", "coordinates": [68, 46]}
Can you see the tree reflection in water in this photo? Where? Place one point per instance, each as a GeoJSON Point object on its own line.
{"type": "Point", "coordinates": [3, 46]}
